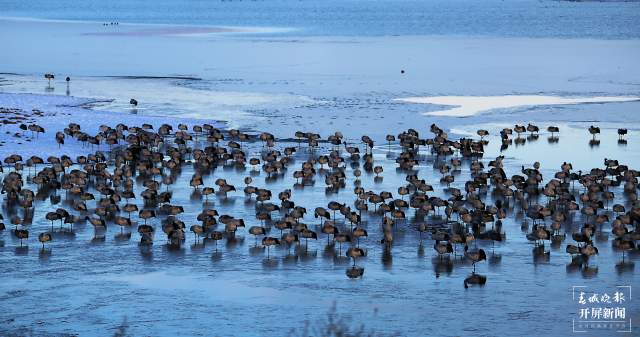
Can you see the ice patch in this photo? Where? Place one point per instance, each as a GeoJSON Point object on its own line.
{"type": "Point", "coordinates": [57, 112]}
{"type": "Point", "coordinates": [173, 96]}
{"type": "Point", "coordinates": [465, 106]}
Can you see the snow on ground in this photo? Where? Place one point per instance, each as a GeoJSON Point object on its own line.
{"type": "Point", "coordinates": [465, 106]}
{"type": "Point", "coordinates": [57, 112]}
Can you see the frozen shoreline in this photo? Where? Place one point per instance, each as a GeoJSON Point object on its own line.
{"type": "Point", "coordinates": [465, 106]}
{"type": "Point", "coordinates": [58, 112]}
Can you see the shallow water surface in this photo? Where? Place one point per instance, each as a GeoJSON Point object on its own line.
{"type": "Point", "coordinates": [88, 280]}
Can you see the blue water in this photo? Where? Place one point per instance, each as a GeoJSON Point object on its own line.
{"type": "Point", "coordinates": [514, 18]}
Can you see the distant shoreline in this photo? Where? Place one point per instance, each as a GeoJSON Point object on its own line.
{"type": "Point", "coordinates": [149, 28]}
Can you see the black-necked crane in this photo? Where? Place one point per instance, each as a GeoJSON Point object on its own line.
{"type": "Point", "coordinates": [129, 208]}
{"type": "Point", "coordinates": [594, 130]}
{"type": "Point", "coordinates": [622, 133]}
{"type": "Point", "coordinates": [44, 238]}
{"type": "Point", "coordinates": [377, 170]}
{"type": "Point", "coordinates": [359, 232]}
{"type": "Point", "coordinates": [225, 189]}
{"type": "Point", "coordinates": [216, 236]}
{"type": "Point", "coordinates": [263, 217]}
{"type": "Point", "coordinates": [532, 128]}
{"type": "Point", "coordinates": [37, 129]}
{"type": "Point", "coordinates": [321, 212]}
{"type": "Point", "coordinates": [146, 234]}
{"type": "Point", "coordinates": [329, 229]}
{"type": "Point", "coordinates": [122, 222]}
{"type": "Point", "coordinates": [308, 234]}
{"type": "Point", "coordinates": [357, 173]}
{"type": "Point", "coordinates": [97, 223]}
{"type": "Point", "coordinates": [340, 238]}
{"type": "Point", "coordinates": [289, 239]}
{"type": "Point", "coordinates": [624, 244]}
{"type": "Point", "coordinates": [197, 231]}
{"type": "Point", "coordinates": [53, 216]}
{"type": "Point", "coordinates": [206, 191]}
{"type": "Point", "coordinates": [354, 253]}
{"type": "Point", "coordinates": [21, 234]}
{"type": "Point", "coordinates": [375, 199]}
{"type": "Point", "coordinates": [354, 219]}
{"type": "Point", "coordinates": [475, 256]}
{"type": "Point", "coordinates": [583, 237]}
{"type": "Point", "coordinates": [231, 225]}
{"type": "Point", "coordinates": [390, 138]}
{"type": "Point", "coordinates": [587, 252]}
{"type": "Point", "coordinates": [421, 228]}
{"type": "Point", "coordinates": [443, 248]}
{"type": "Point", "coordinates": [618, 209]}
{"type": "Point", "coordinates": [146, 214]}
{"type": "Point", "coordinates": [283, 225]}
{"type": "Point", "coordinates": [539, 235]}
{"type": "Point", "coordinates": [196, 181]}
{"type": "Point", "coordinates": [257, 230]}
{"type": "Point", "coordinates": [269, 241]}
{"type": "Point", "coordinates": [49, 77]}
{"type": "Point", "coordinates": [175, 237]}
{"type": "Point", "coordinates": [457, 239]}
{"type": "Point", "coordinates": [108, 176]}
{"type": "Point", "coordinates": [387, 233]}
{"type": "Point", "coordinates": [172, 209]}
{"type": "Point", "coordinates": [440, 235]}
{"type": "Point", "coordinates": [333, 207]}
{"type": "Point", "coordinates": [482, 133]}
{"type": "Point", "coordinates": [60, 138]}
